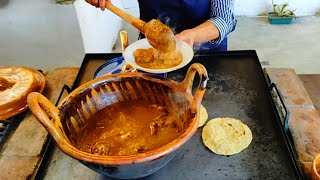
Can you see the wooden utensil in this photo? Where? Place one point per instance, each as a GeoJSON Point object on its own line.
{"type": "Point", "coordinates": [158, 34]}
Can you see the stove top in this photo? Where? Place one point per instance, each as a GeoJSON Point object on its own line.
{"type": "Point", "coordinates": [237, 88]}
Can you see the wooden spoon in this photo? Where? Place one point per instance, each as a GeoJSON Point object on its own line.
{"type": "Point", "coordinates": [158, 34]}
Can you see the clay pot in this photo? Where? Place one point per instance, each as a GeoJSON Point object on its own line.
{"type": "Point", "coordinates": [65, 121]}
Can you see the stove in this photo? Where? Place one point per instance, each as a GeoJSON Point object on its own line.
{"type": "Point", "coordinates": [237, 88]}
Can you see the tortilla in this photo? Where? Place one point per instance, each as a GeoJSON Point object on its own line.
{"type": "Point", "coordinates": [203, 116]}
{"type": "Point", "coordinates": [226, 136]}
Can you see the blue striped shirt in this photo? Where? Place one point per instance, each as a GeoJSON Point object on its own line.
{"type": "Point", "coordinates": [222, 16]}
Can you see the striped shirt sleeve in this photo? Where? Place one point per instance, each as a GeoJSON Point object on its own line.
{"type": "Point", "coordinates": [222, 16]}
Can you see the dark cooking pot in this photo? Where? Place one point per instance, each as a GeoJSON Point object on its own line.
{"type": "Point", "coordinates": [65, 121]}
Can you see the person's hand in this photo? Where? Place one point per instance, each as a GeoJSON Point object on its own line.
{"type": "Point", "coordinates": [187, 36]}
{"type": "Point", "coordinates": [98, 3]}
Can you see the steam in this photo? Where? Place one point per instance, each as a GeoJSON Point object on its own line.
{"type": "Point", "coordinates": [199, 46]}
{"type": "Point", "coordinates": [164, 18]}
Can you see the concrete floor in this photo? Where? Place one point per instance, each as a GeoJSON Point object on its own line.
{"type": "Point", "coordinates": [294, 46]}
{"type": "Point", "coordinates": [39, 34]}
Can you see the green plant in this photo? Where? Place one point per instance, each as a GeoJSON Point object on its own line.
{"type": "Point", "coordinates": [64, 1]}
{"type": "Point", "coordinates": [281, 10]}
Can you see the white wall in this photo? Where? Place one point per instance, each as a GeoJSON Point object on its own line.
{"type": "Point", "coordinates": [260, 7]}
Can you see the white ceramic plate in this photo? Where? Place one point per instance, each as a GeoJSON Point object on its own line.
{"type": "Point", "coordinates": [185, 49]}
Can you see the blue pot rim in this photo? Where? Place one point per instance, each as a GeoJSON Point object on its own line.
{"type": "Point", "coordinates": [104, 67]}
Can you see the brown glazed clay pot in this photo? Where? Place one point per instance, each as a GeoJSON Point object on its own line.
{"type": "Point", "coordinates": [65, 121]}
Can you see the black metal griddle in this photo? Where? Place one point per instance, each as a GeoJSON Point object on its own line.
{"type": "Point", "coordinates": [237, 88]}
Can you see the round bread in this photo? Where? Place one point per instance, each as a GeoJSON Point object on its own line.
{"type": "Point", "coordinates": [15, 85]}
{"type": "Point", "coordinates": [226, 136]}
{"type": "Point", "coordinates": [203, 116]}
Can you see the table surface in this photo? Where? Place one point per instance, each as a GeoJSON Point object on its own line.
{"type": "Point", "coordinates": [312, 84]}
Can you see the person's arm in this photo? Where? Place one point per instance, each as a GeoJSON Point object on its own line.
{"type": "Point", "coordinates": [221, 23]}
{"type": "Point", "coordinates": [204, 32]}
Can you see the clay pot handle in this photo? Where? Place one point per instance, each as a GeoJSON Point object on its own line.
{"type": "Point", "coordinates": [187, 83]}
{"type": "Point", "coordinates": [124, 44]}
{"type": "Point", "coordinates": [315, 171]}
{"type": "Point", "coordinates": [124, 40]}
{"type": "Point", "coordinates": [47, 114]}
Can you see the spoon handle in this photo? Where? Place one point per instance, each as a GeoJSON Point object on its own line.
{"type": "Point", "coordinates": [136, 22]}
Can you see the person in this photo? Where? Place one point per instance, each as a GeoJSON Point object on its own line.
{"type": "Point", "coordinates": [203, 24]}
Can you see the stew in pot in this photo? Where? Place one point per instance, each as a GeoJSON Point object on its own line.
{"type": "Point", "coordinates": [128, 128]}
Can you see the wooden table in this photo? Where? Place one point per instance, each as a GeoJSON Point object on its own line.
{"type": "Point", "coordinates": [312, 84]}
{"type": "Point", "coordinates": [304, 122]}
